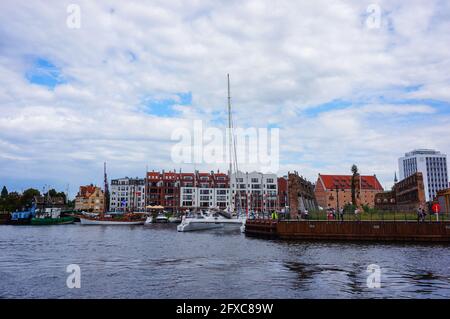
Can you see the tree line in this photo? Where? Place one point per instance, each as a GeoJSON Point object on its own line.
{"type": "Point", "coordinates": [13, 201]}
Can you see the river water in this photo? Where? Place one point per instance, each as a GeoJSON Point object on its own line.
{"type": "Point", "coordinates": [158, 262]}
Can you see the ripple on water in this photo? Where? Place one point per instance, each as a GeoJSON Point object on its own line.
{"type": "Point", "coordinates": [158, 262]}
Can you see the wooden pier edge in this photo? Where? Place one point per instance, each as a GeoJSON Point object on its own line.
{"type": "Point", "coordinates": [383, 231]}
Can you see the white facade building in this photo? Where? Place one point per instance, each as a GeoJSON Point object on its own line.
{"type": "Point", "coordinates": [256, 191]}
{"type": "Point", "coordinates": [432, 164]}
{"type": "Point", "coordinates": [204, 197]}
{"type": "Point", "coordinates": [127, 195]}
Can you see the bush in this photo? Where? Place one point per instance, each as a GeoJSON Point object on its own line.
{"type": "Point", "coordinates": [349, 208]}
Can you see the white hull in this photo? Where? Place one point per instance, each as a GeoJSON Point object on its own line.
{"type": "Point", "coordinates": [86, 221]}
{"type": "Point", "coordinates": [192, 224]}
{"type": "Point", "coordinates": [174, 220]}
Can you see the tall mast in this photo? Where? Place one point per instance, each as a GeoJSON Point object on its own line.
{"type": "Point", "coordinates": [230, 139]}
{"type": "Point", "coordinates": [106, 193]}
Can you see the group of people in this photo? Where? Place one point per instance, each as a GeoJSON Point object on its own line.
{"type": "Point", "coordinates": [332, 214]}
{"type": "Point", "coordinates": [421, 214]}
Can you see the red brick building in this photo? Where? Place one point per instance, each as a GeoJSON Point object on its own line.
{"type": "Point", "coordinates": [282, 193]}
{"type": "Point", "coordinates": [171, 189]}
{"type": "Point", "coordinates": [327, 196]}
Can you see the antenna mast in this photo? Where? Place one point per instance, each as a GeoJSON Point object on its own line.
{"type": "Point", "coordinates": [229, 138]}
{"type": "Point", "coordinates": [106, 193]}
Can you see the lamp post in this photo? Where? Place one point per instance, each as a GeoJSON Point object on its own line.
{"type": "Point", "coordinates": [337, 199]}
{"type": "Point", "coordinates": [336, 187]}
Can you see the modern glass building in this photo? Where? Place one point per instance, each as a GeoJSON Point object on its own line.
{"type": "Point", "coordinates": [432, 164]}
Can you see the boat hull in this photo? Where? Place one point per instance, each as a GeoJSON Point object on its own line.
{"type": "Point", "coordinates": [52, 221]}
{"type": "Point", "coordinates": [88, 221]}
{"type": "Point", "coordinates": [194, 226]}
{"type": "Point", "coordinates": [174, 220]}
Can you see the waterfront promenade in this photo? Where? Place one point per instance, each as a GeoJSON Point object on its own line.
{"type": "Point", "coordinates": [373, 230]}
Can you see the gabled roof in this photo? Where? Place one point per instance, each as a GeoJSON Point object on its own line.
{"type": "Point", "coordinates": [345, 182]}
{"type": "Point", "coordinates": [86, 191]}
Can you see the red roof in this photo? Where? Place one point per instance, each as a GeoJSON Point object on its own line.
{"type": "Point", "coordinates": [344, 181]}
{"type": "Point", "coordinates": [86, 191]}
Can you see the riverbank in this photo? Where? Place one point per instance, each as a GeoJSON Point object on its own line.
{"type": "Point", "coordinates": [381, 230]}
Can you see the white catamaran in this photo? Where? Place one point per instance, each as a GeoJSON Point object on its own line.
{"type": "Point", "coordinates": [215, 218]}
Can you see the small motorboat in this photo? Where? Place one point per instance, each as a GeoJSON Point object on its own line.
{"type": "Point", "coordinates": [161, 218]}
{"type": "Point", "coordinates": [175, 219]}
{"type": "Point", "coordinates": [149, 220]}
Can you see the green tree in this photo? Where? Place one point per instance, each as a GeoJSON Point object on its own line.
{"type": "Point", "coordinates": [53, 193]}
{"type": "Point", "coordinates": [353, 183]}
{"type": "Point", "coordinates": [28, 196]}
{"type": "Point", "coordinates": [4, 192]}
{"type": "Point", "coordinates": [12, 202]}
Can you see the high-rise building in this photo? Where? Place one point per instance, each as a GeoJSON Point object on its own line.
{"type": "Point", "coordinates": [127, 194]}
{"type": "Point", "coordinates": [433, 166]}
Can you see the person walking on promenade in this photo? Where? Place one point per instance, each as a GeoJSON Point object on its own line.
{"type": "Point", "coordinates": [341, 213]}
{"type": "Point", "coordinates": [306, 214]}
{"type": "Point", "coordinates": [419, 214]}
{"type": "Point", "coordinates": [357, 216]}
{"type": "Point", "coordinates": [424, 214]}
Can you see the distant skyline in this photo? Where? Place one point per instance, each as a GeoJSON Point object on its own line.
{"type": "Point", "coordinates": [340, 90]}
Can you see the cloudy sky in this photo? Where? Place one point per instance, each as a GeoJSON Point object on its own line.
{"type": "Point", "coordinates": [342, 87]}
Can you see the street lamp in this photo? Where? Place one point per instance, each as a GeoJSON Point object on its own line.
{"type": "Point", "coordinates": [337, 198]}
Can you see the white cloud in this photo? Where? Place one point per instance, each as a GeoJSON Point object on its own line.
{"type": "Point", "coordinates": [285, 59]}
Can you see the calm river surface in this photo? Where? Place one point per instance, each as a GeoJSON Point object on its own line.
{"type": "Point", "coordinates": [158, 262]}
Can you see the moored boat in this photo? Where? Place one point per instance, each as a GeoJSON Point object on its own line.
{"type": "Point", "coordinates": [22, 217]}
{"type": "Point", "coordinates": [108, 219]}
{"type": "Point", "coordinates": [51, 216]}
{"type": "Point", "coordinates": [175, 219]}
{"type": "Point", "coordinates": [208, 220]}
{"type": "Point", "coordinates": [52, 221]}
{"type": "Point", "coordinates": [161, 218]}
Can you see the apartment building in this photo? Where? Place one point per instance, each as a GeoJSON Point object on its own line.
{"type": "Point", "coordinates": [127, 194]}
{"type": "Point", "coordinates": [90, 198]}
{"type": "Point", "coordinates": [254, 191]}
{"type": "Point", "coordinates": [181, 191]}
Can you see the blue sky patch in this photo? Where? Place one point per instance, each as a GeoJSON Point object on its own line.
{"type": "Point", "coordinates": [164, 107]}
{"type": "Point", "coordinates": [329, 106]}
{"type": "Point", "coordinates": [45, 73]}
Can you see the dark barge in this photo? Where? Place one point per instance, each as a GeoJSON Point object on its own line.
{"type": "Point", "coordinates": [411, 231]}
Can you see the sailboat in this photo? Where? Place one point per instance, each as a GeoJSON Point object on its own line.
{"type": "Point", "coordinates": [216, 219]}
{"type": "Point", "coordinates": [105, 218]}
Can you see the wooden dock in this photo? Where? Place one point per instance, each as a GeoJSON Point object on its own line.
{"type": "Point", "coordinates": [350, 230]}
